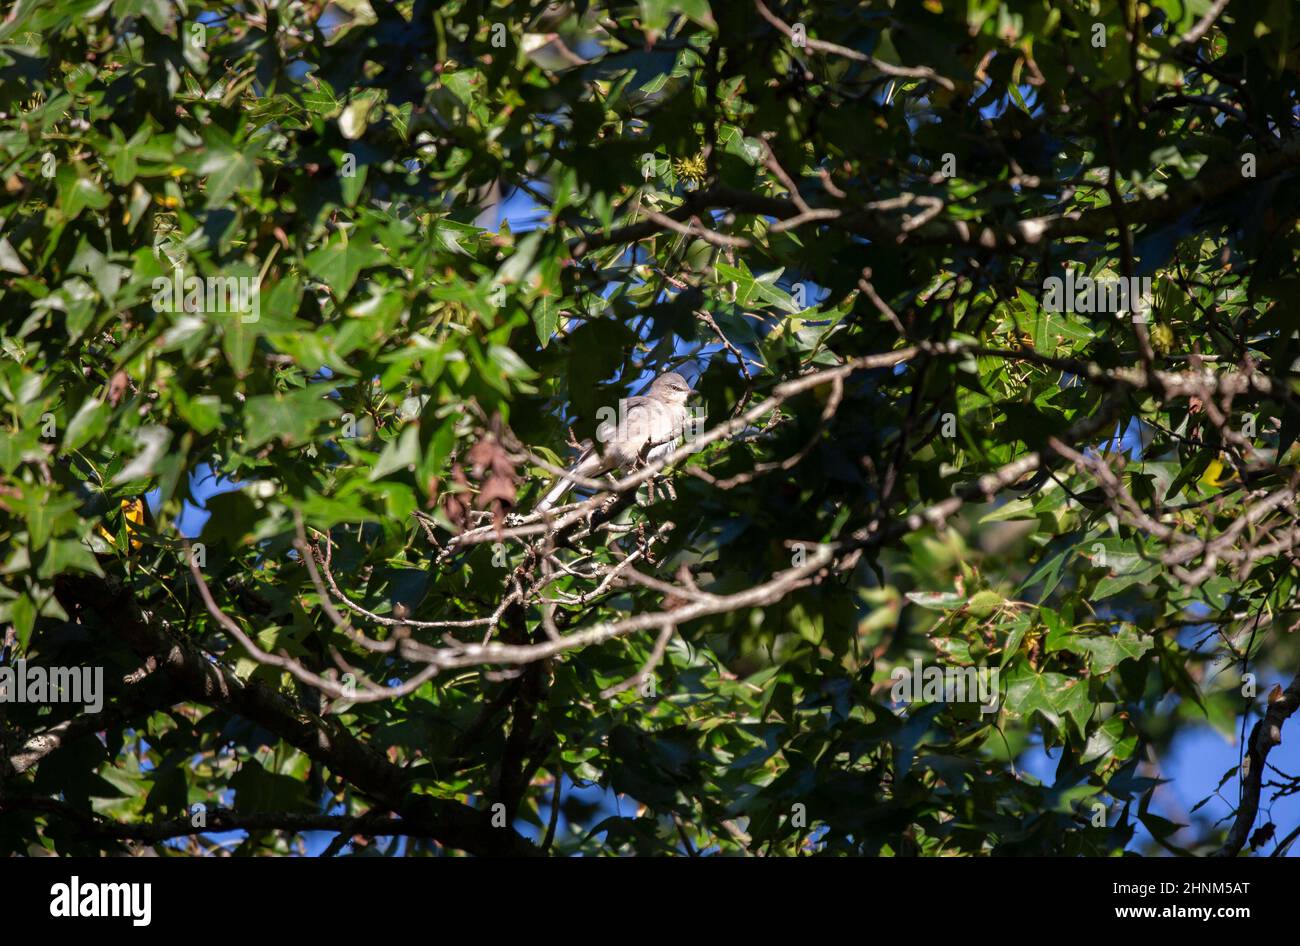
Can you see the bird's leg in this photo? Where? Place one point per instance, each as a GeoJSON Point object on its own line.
{"type": "Point", "coordinates": [653, 485]}
{"type": "Point", "coordinates": [611, 479]}
{"type": "Point", "coordinates": [650, 489]}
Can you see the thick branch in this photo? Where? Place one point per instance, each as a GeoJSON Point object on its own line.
{"type": "Point", "coordinates": [90, 825]}
{"type": "Point", "coordinates": [1266, 734]}
{"type": "Point", "coordinates": [1212, 184]}
{"type": "Point", "coordinates": [200, 680]}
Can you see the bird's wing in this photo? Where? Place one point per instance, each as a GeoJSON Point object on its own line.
{"type": "Point", "coordinates": [644, 427]}
{"type": "Point", "coordinates": [589, 464]}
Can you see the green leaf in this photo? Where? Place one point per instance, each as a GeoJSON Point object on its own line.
{"type": "Point", "coordinates": [292, 418]}
{"type": "Point", "coordinates": [936, 600]}
{"type": "Point", "coordinates": [65, 555]}
{"type": "Point", "coordinates": [339, 262]}
{"type": "Point", "coordinates": [546, 318]}
{"type": "Point", "coordinates": [656, 14]}
{"type": "Point", "coordinates": [202, 413]}
{"type": "Point", "coordinates": [78, 191]}
{"type": "Point", "coordinates": [22, 612]}
{"type": "Point", "coordinates": [1108, 651]}
{"type": "Point", "coordinates": [1113, 739]}
{"type": "Point", "coordinates": [1053, 696]}
{"type": "Point", "coordinates": [87, 424]}
{"type": "Point", "coordinates": [401, 453]}
{"type": "Point", "coordinates": [228, 167]}
{"type": "Point", "coordinates": [257, 790]}
{"type": "Point", "coordinates": [983, 603]}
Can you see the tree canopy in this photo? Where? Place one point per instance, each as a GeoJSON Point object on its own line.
{"type": "Point", "coordinates": [990, 310]}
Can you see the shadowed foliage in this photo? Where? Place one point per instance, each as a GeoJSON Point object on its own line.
{"type": "Point", "coordinates": [381, 266]}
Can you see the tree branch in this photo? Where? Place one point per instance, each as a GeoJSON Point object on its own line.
{"type": "Point", "coordinates": [216, 820]}
{"type": "Point", "coordinates": [1212, 184]}
{"type": "Point", "coordinates": [198, 679]}
{"type": "Point", "coordinates": [1266, 734]}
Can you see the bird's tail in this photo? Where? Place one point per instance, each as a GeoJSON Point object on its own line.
{"type": "Point", "coordinates": [589, 464]}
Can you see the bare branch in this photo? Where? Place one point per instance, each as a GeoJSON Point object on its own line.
{"type": "Point", "coordinates": [821, 46]}
{"type": "Point", "coordinates": [1197, 32]}
{"type": "Point", "coordinates": [1266, 734]}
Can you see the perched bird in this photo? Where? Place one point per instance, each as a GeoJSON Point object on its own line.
{"type": "Point", "coordinates": [647, 427]}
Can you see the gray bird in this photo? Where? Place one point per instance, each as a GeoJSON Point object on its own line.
{"type": "Point", "coordinates": [648, 427]}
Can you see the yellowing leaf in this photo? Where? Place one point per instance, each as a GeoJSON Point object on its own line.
{"type": "Point", "coordinates": [133, 513]}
